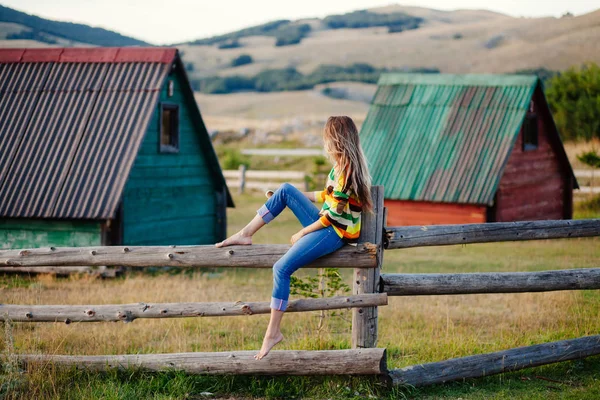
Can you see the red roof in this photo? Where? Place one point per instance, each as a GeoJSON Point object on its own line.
{"type": "Point", "coordinates": [162, 55]}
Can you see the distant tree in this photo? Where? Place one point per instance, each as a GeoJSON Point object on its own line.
{"type": "Point", "coordinates": [574, 98]}
{"type": "Point", "coordinates": [31, 35]}
{"type": "Point", "coordinates": [230, 44]}
{"type": "Point", "coordinates": [291, 34]}
{"type": "Point", "coordinates": [268, 29]}
{"type": "Point", "coordinates": [396, 22]}
{"type": "Point", "coordinates": [241, 60]}
{"type": "Point", "coordinates": [276, 79]}
{"type": "Point", "coordinates": [592, 159]}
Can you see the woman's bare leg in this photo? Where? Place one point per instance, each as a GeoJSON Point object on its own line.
{"type": "Point", "coordinates": [273, 334]}
{"type": "Point", "coordinates": [245, 235]}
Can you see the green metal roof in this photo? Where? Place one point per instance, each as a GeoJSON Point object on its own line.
{"type": "Point", "coordinates": [444, 138]}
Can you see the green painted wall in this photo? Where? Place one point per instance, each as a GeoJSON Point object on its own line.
{"type": "Point", "coordinates": [170, 198]}
{"type": "Point", "coordinates": [27, 233]}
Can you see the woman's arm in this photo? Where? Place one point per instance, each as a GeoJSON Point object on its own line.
{"type": "Point", "coordinates": [315, 226]}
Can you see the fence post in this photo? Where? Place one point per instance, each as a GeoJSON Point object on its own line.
{"type": "Point", "coordinates": [366, 280]}
{"type": "Point", "coordinates": [242, 170]}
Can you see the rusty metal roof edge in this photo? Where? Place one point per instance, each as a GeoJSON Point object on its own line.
{"type": "Point", "coordinates": [163, 55]}
{"type": "Point", "coordinates": [395, 78]}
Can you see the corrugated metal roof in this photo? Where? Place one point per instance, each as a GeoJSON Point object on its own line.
{"type": "Point", "coordinates": [444, 138]}
{"type": "Point", "coordinates": [71, 122]}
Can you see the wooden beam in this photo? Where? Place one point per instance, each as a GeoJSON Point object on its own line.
{"type": "Point", "coordinates": [481, 365]}
{"type": "Point", "coordinates": [490, 282]}
{"type": "Point", "coordinates": [364, 319]}
{"type": "Point", "coordinates": [254, 256]}
{"type": "Point", "coordinates": [104, 272]}
{"type": "Point", "coordinates": [400, 237]}
{"type": "Point", "coordinates": [278, 362]}
{"type": "Point", "coordinates": [130, 312]}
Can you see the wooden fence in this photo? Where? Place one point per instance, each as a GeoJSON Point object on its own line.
{"type": "Point", "coordinates": [370, 290]}
{"type": "Point", "coordinates": [243, 179]}
{"type": "Point", "coordinates": [592, 176]}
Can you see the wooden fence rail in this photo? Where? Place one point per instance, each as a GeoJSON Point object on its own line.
{"type": "Point", "coordinates": [495, 363]}
{"type": "Point", "coordinates": [131, 312]}
{"type": "Point", "coordinates": [255, 256]}
{"type": "Point", "coordinates": [588, 173]}
{"type": "Point", "coordinates": [243, 179]}
{"type": "Point", "coordinates": [366, 259]}
{"type": "Point", "coordinates": [401, 237]}
{"type": "Point", "coordinates": [280, 362]}
{"type": "Point", "coordinates": [490, 282]}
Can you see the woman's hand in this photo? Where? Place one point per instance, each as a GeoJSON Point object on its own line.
{"type": "Point", "coordinates": [297, 236]}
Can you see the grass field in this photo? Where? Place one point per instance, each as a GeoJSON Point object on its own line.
{"type": "Point", "coordinates": [413, 329]}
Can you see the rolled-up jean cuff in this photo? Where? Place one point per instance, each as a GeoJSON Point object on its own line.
{"type": "Point", "coordinates": [265, 214]}
{"type": "Point", "coordinates": [278, 304]}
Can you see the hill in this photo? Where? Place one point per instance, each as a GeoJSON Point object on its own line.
{"type": "Point", "coordinates": [461, 41]}
{"type": "Point", "coordinates": [19, 29]}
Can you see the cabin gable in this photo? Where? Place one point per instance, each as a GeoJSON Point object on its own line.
{"type": "Point", "coordinates": [536, 184]}
{"type": "Point", "coordinates": [170, 195]}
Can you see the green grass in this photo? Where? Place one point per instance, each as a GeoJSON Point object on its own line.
{"type": "Point", "coordinates": [414, 329]}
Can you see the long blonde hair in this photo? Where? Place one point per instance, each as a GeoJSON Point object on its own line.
{"type": "Point", "coordinates": [342, 145]}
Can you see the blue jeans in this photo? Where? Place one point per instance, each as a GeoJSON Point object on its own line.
{"type": "Point", "coordinates": [307, 249]}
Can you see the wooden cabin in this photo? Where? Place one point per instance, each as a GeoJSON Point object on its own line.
{"type": "Point", "coordinates": [104, 146]}
{"type": "Point", "coordinates": [456, 149]}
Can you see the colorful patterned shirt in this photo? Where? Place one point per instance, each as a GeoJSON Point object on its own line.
{"type": "Point", "coordinates": [341, 207]}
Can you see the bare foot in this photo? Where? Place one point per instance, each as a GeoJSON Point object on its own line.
{"type": "Point", "coordinates": [238, 238]}
{"type": "Point", "coordinates": [268, 344]}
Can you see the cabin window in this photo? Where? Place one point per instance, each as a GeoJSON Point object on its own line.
{"type": "Point", "coordinates": [169, 128]}
{"type": "Point", "coordinates": [170, 88]}
{"type": "Point", "coordinates": [530, 132]}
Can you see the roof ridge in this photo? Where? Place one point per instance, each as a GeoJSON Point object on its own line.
{"type": "Point", "coordinates": [164, 55]}
{"type": "Point", "coordinates": [408, 78]}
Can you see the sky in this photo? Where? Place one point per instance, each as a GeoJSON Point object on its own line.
{"type": "Point", "coordinates": [176, 21]}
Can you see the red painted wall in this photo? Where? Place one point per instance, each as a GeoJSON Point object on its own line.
{"type": "Point", "coordinates": [402, 213]}
{"type": "Point", "coordinates": [534, 185]}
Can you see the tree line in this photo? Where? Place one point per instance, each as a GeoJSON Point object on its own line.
{"type": "Point", "coordinates": [275, 80]}
{"type": "Point", "coordinates": [41, 27]}
{"type": "Point", "coordinates": [288, 32]}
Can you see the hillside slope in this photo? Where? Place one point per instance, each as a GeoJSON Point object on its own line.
{"type": "Point", "coordinates": [461, 41]}
{"type": "Point", "coordinates": [19, 29]}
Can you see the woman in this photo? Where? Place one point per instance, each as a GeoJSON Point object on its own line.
{"type": "Point", "coordinates": [346, 195]}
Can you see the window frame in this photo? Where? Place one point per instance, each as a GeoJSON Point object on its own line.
{"type": "Point", "coordinates": [169, 148]}
{"type": "Point", "coordinates": [528, 145]}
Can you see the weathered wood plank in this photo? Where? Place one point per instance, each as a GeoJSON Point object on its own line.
{"type": "Point", "coordinates": [439, 235]}
{"type": "Point", "coordinates": [364, 319]}
{"type": "Point", "coordinates": [130, 312]}
{"type": "Point", "coordinates": [278, 362]}
{"type": "Point", "coordinates": [495, 363]}
{"type": "Point", "coordinates": [255, 256]}
{"type": "Point", "coordinates": [490, 282]}
{"type": "Point", "coordinates": [264, 185]}
{"type": "Point", "coordinates": [260, 174]}
{"type": "Point", "coordinates": [101, 271]}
